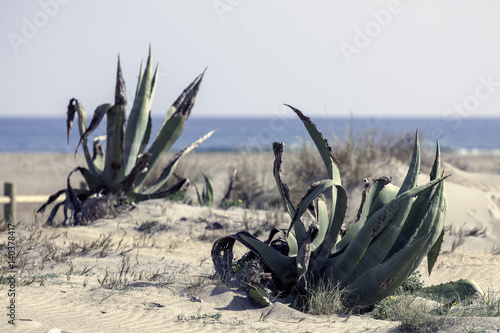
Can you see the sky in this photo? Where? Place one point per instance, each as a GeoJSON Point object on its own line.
{"type": "Point", "coordinates": [328, 58]}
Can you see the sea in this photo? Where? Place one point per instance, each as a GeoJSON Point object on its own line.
{"type": "Point", "coordinates": [461, 135]}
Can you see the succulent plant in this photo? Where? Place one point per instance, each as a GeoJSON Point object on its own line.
{"type": "Point", "coordinates": [127, 162]}
{"type": "Point", "coordinates": [206, 196]}
{"type": "Point", "coordinates": [395, 229]}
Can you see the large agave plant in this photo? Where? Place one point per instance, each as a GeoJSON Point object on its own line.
{"type": "Point", "coordinates": [127, 162]}
{"type": "Point", "coordinates": [395, 229]}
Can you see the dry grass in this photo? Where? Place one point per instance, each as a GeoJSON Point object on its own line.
{"type": "Point", "coordinates": [326, 298]}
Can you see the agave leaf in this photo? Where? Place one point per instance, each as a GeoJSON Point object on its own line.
{"type": "Point", "coordinates": [314, 190]}
{"type": "Point", "coordinates": [209, 193]}
{"type": "Point", "coordinates": [93, 182]}
{"type": "Point", "coordinates": [435, 215]}
{"type": "Point", "coordinates": [413, 222]}
{"type": "Point", "coordinates": [281, 265]}
{"type": "Point", "coordinates": [199, 195]}
{"type": "Point", "coordinates": [324, 149]}
{"type": "Point", "coordinates": [147, 135]}
{"type": "Point", "coordinates": [50, 200]}
{"type": "Point", "coordinates": [345, 263]}
{"type": "Point", "coordinates": [436, 166]}
{"type": "Point", "coordinates": [113, 171]}
{"type": "Point", "coordinates": [278, 149]}
{"type": "Point", "coordinates": [378, 193]}
{"type": "Point", "coordinates": [414, 169]}
{"type": "Point", "coordinates": [323, 221]}
{"type": "Point", "coordinates": [222, 255]}
{"type": "Point", "coordinates": [181, 185]}
{"type": "Point", "coordinates": [293, 244]}
{"type": "Point", "coordinates": [72, 202]}
{"type": "Point", "coordinates": [304, 254]}
{"type": "Point", "coordinates": [294, 241]}
{"type": "Point", "coordinates": [139, 116]}
{"type": "Point", "coordinates": [99, 113]}
{"type": "Point", "coordinates": [258, 294]}
{"type": "Point", "coordinates": [433, 223]}
{"type": "Point", "coordinates": [322, 253]}
{"type": "Point", "coordinates": [436, 248]}
{"type": "Point", "coordinates": [381, 245]}
{"type": "Point", "coordinates": [371, 191]}
{"type": "Point", "coordinates": [454, 291]}
{"type": "Point", "coordinates": [434, 252]}
{"type": "Point", "coordinates": [171, 128]}
{"type": "Point", "coordinates": [53, 212]}
{"type": "Point", "coordinates": [127, 184]}
{"type": "Point", "coordinates": [75, 107]}
{"type": "Point", "coordinates": [206, 198]}
{"type": "Point", "coordinates": [382, 280]}
{"type": "Point", "coordinates": [70, 116]}
{"type": "Point", "coordinates": [162, 179]}
{"type": "Point", "coordinates": [139, 78]}
{"type": "Point", "coordinates": [330, 163]}
{"type": "Point", "coordinates": [418, 212]}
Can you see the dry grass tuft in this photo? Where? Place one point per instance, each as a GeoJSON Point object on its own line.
{"type": "Point", "coordinates": [326, 298]}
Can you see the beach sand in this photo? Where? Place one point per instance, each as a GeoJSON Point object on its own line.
{"type": "Point", "coordinates": [72, 282]}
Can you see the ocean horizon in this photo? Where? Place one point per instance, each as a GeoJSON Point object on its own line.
{"type": "Point", "coordinates": [31, 134]}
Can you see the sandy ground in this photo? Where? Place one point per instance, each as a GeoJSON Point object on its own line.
{"type": "Point", "coordinates": [71, 279]}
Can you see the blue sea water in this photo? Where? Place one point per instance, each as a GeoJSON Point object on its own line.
{"type": "Point", "coordinates": [234, 134]}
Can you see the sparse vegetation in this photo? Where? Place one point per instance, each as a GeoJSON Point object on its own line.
{"type": "Point", "coordinates": [326, 298]}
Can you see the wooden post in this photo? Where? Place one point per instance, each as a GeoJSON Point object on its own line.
{"type": "Point", "coordinates": [9, 210]}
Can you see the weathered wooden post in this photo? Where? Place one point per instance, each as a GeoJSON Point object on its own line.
{"type": "Point", "coordinates": [9, 210]}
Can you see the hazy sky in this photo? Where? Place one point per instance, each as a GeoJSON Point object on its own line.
{"type": "Point", "coordinates": [336, 58]}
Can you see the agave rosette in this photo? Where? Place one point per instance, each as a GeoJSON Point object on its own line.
{"type": "Point", "coordinates": [395, 229]}
{"type": "Point", "coordinates": [128, 160]}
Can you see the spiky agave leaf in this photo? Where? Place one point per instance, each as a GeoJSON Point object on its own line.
{"type": "Point", "coordinates": [74, 107]}
{"type": "Point", "coordinates": [181, 185]}
{"type": "Point", "coordinates": [339, 197]}
{"type": "Point", "coordinates": [99, 114]}
{"type": "Point", "coordinates": [382, 280]}
{"type": "Point", "coordinates": [342, 266]}
{"type": "Point", "coordinates": [137, 126]}
{"type": "Point", "coordinates": [206, 197]}
{"type": "Point", "coordinates": [382, 245]}
{"type": "Point", "coordinates": [163, 178]}
{"type": "Point", "coordinates": [420, 219]}
{"type": "Point", "coordinates": [93, 183]}
{"type": "Point", "coordinates": [171, 129]}
{"type": "Point", "coordinates": [128, 183]}
{"type": "Point", "coordinates": [377, 192]}
{"type": "Point", "coordinates": [281, 265]}
{"type": "Point", "coordinates": [294, 241]}
{"type": "Point", "coordinates": [114, 171]}
{"type": "Point", "coordinates": [452, 292]}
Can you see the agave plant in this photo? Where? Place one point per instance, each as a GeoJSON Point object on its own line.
{"type": "Point", "coordinates": [206, 196]}
{"type": "Point", "coordinates": [127, 162]}
{"type": "Point", "coordinates": [395, 229]}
